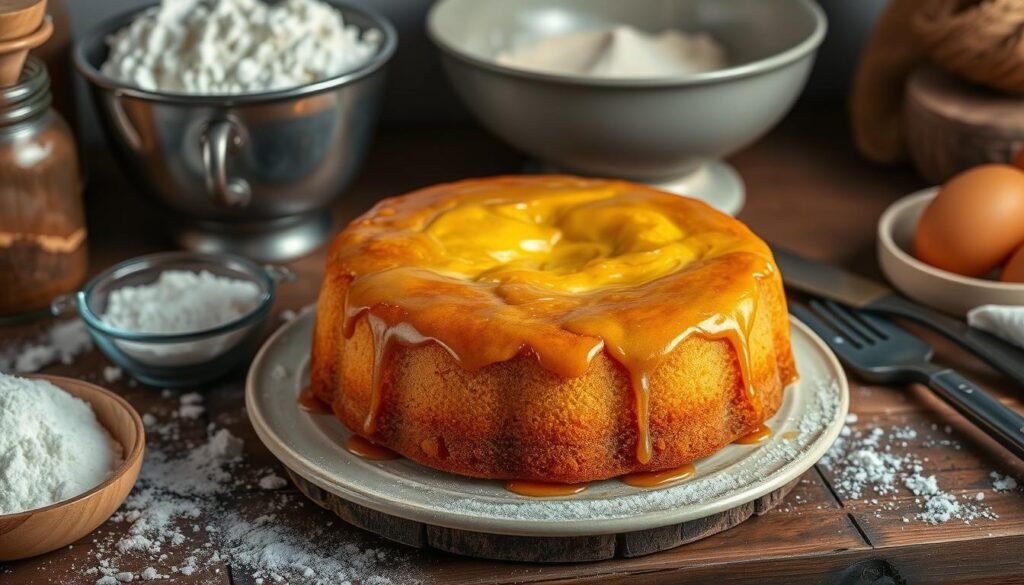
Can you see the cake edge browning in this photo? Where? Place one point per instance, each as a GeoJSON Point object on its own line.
{"type": "Point", "coordinates": [516, 420]}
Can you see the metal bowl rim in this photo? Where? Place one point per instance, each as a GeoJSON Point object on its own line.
{"type": "Point", "coordinates": [794, 53]}
{"type": "Point", "coordinates": [96, 77]}
{"type": "Point", "coordinates": [258, 313]}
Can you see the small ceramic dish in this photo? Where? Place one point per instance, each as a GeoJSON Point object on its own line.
{"type": "Point", "coordinates": [948, 292]}
{"type": "Point", "coordinates": [176, 359]}
{"type": "Point", "coordinates": [34, 532]}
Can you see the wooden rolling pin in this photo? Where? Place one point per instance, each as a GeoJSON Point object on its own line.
{"type": "Point", "coordinates": [23, 27]}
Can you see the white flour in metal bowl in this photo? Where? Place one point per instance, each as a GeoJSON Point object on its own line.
{"type": "Point", "coordinates": [237, 46]}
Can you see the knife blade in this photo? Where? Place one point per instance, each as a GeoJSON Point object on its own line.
{"type": "Point", "coordinates": [831, 282]}
{"type": "Point", "coordinates": [825, 280]}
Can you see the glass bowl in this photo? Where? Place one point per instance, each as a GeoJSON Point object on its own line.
{"type": "Point", "coordinates": [173, 360]}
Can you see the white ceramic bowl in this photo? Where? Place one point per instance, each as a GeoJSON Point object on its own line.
{"type": "Point", "coordinates": [649, 129]}
{"type": "Point", "coordinates": [927, 284]}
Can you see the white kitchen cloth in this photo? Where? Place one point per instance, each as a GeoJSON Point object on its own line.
{"type": "Point", "coordinates": [1002, 321]}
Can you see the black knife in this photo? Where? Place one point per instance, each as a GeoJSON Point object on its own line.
{"type": "Point", "coordinates": [834, 283]}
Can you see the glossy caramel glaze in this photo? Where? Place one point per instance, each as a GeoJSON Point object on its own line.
{"type": "Point", "coordinates": [649, 479]}
{"type": "Point", "coordinates": [366, 449]}
{"type": "Point", "coordinates": [541, 489]}
{"type": "Point", "coordinates": [758, 435]}
{"type": "Point", "coordinates": [311, 404]}
{"type": "Point", "coordinates": [559, 269]}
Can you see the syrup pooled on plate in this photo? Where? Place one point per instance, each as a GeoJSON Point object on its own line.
{"type": "Point", "coordinates": [311, 404]}
{"type": "Point", "coordinates": [758, 435]}
{"type": "Point", "coordinates": [541, 489]}
{"type": "Point", "coordinates": [361, 447]}
{"type": "Point", "coordinates": [650, 479]}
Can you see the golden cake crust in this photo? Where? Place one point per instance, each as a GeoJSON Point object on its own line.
{"type": "Point", "coordinates": [533, 412]}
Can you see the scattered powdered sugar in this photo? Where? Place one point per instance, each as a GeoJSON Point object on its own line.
{"type": "Point", "coordinates": [763, 464]}
{"type": "Point", "coordinates": [191, 405]}
{"type": "Point", "coordinates": [177, 511]}
{"type": "Point", "coordinates": [288, 315]}
{"type": "Point", "coordinates": [62, 342]}
{"type": "Point", "coordinates": [273, 482]}
{"type": "Point", "coordinates": [866, 464]}
{"type": "Point", "coordinates": [1002, 483]}
{"type": "Point", "coordinates": [112, 374]}
{"type": "Point", "coordinates": [278, 372]}
{"type": "Point", "coordinates": [51, 446]}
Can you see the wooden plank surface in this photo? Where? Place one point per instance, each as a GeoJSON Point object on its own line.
{"type": "Point", "coordinates": [806, 190]}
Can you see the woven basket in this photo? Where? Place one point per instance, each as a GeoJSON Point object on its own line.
{"type": "Point", "coordinates": [979, 40]}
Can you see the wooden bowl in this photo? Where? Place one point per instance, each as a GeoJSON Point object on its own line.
{"type": "Point", "coordinates": [34, 532]}
{"type": "Point", "coordinates": [926, 284]}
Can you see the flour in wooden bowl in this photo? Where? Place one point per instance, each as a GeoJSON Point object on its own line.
{"type": "Point", "coordinates": [52, 448]}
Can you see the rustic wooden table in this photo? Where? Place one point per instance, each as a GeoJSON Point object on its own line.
{"type": "Point", "coordinates": [807, 190]}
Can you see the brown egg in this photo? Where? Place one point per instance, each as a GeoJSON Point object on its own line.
{"type": "Point", "coordinates": [1014, 269]}
{"type": "Point", "coordinates": [975, 222]}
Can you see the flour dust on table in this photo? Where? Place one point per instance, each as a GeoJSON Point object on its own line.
{"type": "Point", "coordinates": [874, 465]}
{"type": "Point", "coordinates": [61, 342]}
{"type": "Point", "coordinates": [178, 511]}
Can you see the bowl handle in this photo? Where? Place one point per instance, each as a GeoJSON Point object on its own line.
{"type": "Point", "coordinates": [123, 123]}
{"type": "Point", "coordinates": [279, 273]}
{"type": "Point", "coordinates": [218, 139]}
{"type": "Point", "coordinates": [63, 305]}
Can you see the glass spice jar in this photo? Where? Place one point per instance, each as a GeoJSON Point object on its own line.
{"type": "Point", "coordinates": [42, 226]}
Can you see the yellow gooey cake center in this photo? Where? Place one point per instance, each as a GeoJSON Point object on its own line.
{"type": "Point", "coordinates": [570, 243]}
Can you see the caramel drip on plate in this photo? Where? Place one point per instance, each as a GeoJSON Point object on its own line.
{"type": "Point", "coordinates": [648, 479]}
{"type": "Point", "coordinates": [758, 435]}
{"type": "Point", "coordinates": [560, 270]}
{"type": "Point", "coordinates": [361, 447]}
{"type": "Point", "coordinates": [790, 435]}
{"type": "Point", "coordinates": [541, 489]}
{"type": "Point", "coordinates": [311, 404]}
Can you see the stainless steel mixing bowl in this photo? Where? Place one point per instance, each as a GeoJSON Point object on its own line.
{"type": "Point", "coordinates": [644, 129]}
{"type": "Point", "coordinates": [254, 173]}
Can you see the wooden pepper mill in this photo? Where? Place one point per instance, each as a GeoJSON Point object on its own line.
{"type": "Point", "coordinates": [23, 27]}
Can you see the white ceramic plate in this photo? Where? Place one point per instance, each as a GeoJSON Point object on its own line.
{"type": "Point", "coordinates": [809, 420]}
{"type": "Point", "coordinates": [928, 285]}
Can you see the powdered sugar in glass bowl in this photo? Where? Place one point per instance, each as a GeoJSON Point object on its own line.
{"type": "Point", "coordinates": [179, 318]}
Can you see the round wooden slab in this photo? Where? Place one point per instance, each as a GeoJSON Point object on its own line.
{"type": "Point", "coordinates": [953, 125]}
{"type": "Point", "coordinates": [535, 549]}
